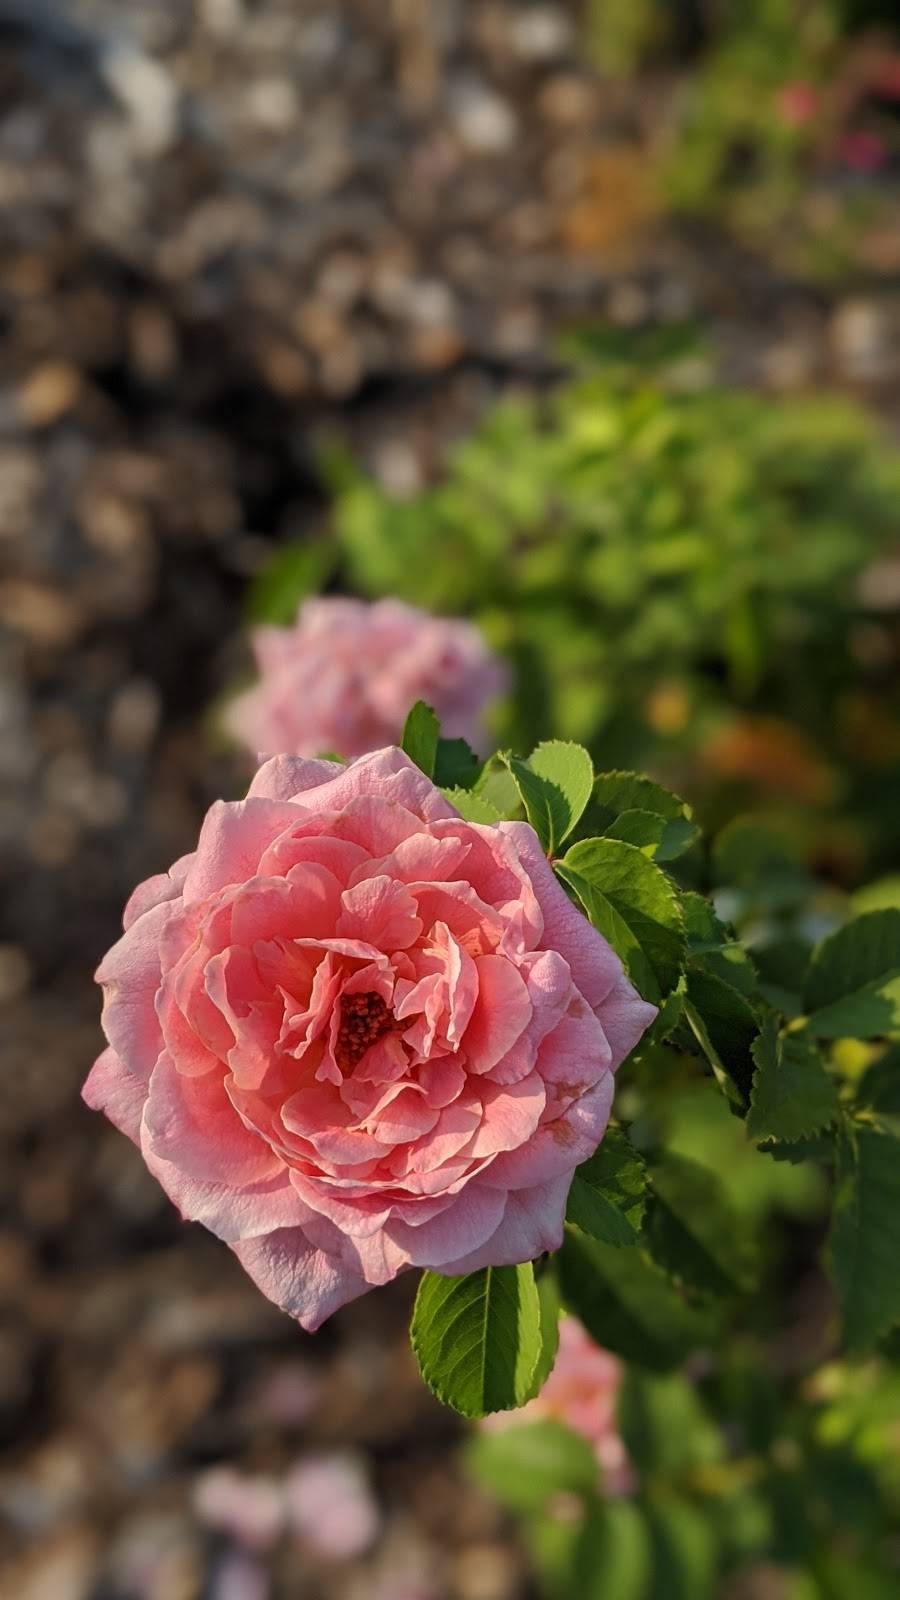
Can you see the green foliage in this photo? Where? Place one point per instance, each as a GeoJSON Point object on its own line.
{"type": "Point", "coordinates": [635, 906]}
{"type": "Point", "coordinates": [421, 735]}
{"type": "Point", "coordinates": [866, 1235]}
{"type": "Point", "coordinates": [792, 1093]}
{"type": "Point", "coordinates": [658, 564]}
{"type": "Point", "coordinates": [853, 984]}
{"type": "Point", "coordinates": [608, 1192]}
{"type": "Point", "coordinates": [628, 1303]}
{"type": "Point", "coordinates": [477, 1338]}
{"type": "Point", "coordinates": [692, 1230]}
{"type": "Point", "coordinates": [526, 1464]}
{"type": "Point", "coordinates": [555, 785]}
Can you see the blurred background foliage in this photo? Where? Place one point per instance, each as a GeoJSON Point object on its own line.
{"type": "Point", "coordinates": [686, 579]}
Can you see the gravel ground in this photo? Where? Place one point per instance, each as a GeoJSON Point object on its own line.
{"type": "Point", "coordinates": [239, 225]}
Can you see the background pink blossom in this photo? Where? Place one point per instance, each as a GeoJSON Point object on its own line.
{"type": "Point", "coordinates": [345, 675]}
{"type": "Point", "coordinates": [581, 1391]}
{"type": "Point", "coordinates": [354, 1033]}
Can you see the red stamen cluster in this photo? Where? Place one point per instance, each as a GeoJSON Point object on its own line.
{"type": "Point", "coordinates": [364, 1018]}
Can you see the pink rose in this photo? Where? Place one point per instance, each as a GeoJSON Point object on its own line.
{"type": "Point", "coordinates": [345, 675]}
{"type": "Point", "coordinates": [581, 1391]}
{"type": "Point", "coordinates": [353, 1033]}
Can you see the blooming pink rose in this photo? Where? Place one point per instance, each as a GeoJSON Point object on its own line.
{"type": "Point", "coordinates": [353, 1033]}
{"type": "Point", "coordinates": [581, 1391]}
{"type": "Point", "coordinates": [344, 677]}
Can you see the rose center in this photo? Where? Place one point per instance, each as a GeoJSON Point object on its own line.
{"type": "Point", "coordinates": [364, 1019]}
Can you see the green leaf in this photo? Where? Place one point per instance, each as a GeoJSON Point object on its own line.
{"type": "Point", "coordinates": [477, 1338]}
{"type": "Point", "coordinates": [608, 1192]}
{"type": "Point", "coordinates": [792, 1093]}
{"type": "Point", "coordinates": [818, 1147]}
{"type": "Point", "coordinates": [685, 1551]}
{"type": "Point", "coordinates": [524, 1464]}
{"type": "Point", "coordinates": [555, 784]}
{"type": "Point", "coordinates": [635, 906]}
{"type": "Point", "coordinates": [298, 569]}
{"type": "Point", "coordinates": [472, 806]}
{"type": "Point", "coordinates": [421, 733]}
{"type": "Point", "coordinates": [879, 1085]}
{"type": "Point", "coordinates": [663, 1424]}
{"type": "Point", "coordinates": [497, 786]}
{"type": "Point", "coordinates": [659, 839]}
{"type": "Point", "coordinates": [550, 1309]}
{"type": "Point", "coordinates": [713, 948]}
{"type": "Point", "coordinates": [853, 983]}
{"type": "Point", "coordinates": [633, 808]}
{"type": "Point", "coordinates": [612, 1558]}
{"type": "Point", "coordinates": [615, 792]}
{"type": "Point", "coordinates": [865, 1239]}
{"type": "Point", "coordinates": [725, 1026]}
{"type": "Point", "coordinates": [692, 1230]}
{"type": "Point", "coordinates": [627, 1304]}
{"type": "Point", "coordinates": [456, 766]}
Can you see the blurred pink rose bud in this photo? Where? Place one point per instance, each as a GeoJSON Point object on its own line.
{"type": "Point", "coordinates": [863, 151]}
{"type": "Point", "coordinates": [353, 1033]}
{"type": "Point", "coordinates": [249, 1510]}
{"type": "Point", "coordinates": [343, 678]}
{"type": "Point", "coordinates": [581, 1391]}
{"type": "Point", "coordinates": [798, 104]}
{"type": "Point", "coordinates": [331, 1508]}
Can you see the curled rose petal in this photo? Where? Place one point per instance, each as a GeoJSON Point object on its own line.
{"type": "Point", "coordinates": [353, 1033]}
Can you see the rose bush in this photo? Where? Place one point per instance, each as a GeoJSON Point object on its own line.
{"type": "Point", "coordinates": [344, 676]}
{"type": "Point", "coordinates": [353, 1033]}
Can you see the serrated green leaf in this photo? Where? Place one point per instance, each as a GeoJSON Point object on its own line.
{"type": "Point", "coordinates": [472, 806]}
{"type": "Point", "coordinates": [663, 1424]}
{"type": "Point", "coordinates": [456, 766]}
{"type": "Point", "coordinates": [728, 1025]}
{"type": "Point", "coordinates": [555, 785]}
{"type": "Point", "coordinates": [792, 1094]}
{"type": "Point", "coordinates": [628, 1304]}
{"type": "Point", "coordinates": [818, 1147]}
{"type": "Point", "coordinates": [656, 837]}
{"type": "Point", "coordinates": [608, 1192]}
{"type": "Point", "coordinates": [853, 983]}
{"type": "Point", "coordinates": [712, 947]}
{"type": "Point", "coordinates": [692, 1230]}
{"type": "Point", "coordinates": [421, 733]}
{"type": "Point", "coordinates": [477, 1338]}
{"type": "Point", "coordinates": [865, 1239]}
{"type": "Point", "coordinates": [524, 1464]}
{"type": "Point", "coordinates": [615, 792]}
{"type": "Point", "coordinates": [635, 906]}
